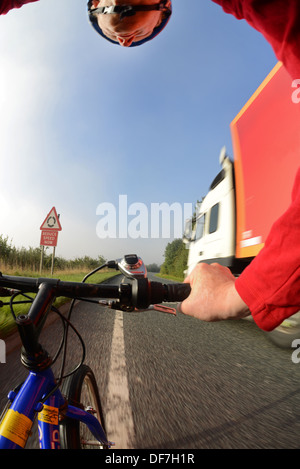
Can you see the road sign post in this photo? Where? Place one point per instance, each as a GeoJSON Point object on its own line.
{"type": "Point", "coordinates": [49, 235]}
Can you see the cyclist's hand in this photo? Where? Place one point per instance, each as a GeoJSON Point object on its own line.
{"type": "Point", "coordinates": [213, 296]}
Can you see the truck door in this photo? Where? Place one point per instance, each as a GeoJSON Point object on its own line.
{"type": "Point", "coordinates": [213, 244]}
{"type": "Point", "coordinates": [196, 249]}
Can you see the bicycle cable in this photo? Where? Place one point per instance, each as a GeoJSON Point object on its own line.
{"type": "Point", "coordinates": [61, 375]}
{"type": "Point", "coordinates": [67, 323]}
{"type": "Point", "coordinates": [12, 303]}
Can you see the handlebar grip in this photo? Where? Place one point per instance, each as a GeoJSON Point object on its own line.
{"type": "Point", "coordinates": [145, 293]}
{"type": "Point", "coordinates": [178, 291]}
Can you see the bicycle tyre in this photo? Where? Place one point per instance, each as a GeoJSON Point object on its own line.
{"type": "Point", "coordinates": [81, 388]}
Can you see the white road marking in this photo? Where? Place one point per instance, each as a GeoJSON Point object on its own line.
{"type": "Point", "coordinates": [119, 420]}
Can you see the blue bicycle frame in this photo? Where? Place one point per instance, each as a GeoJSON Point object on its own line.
{"type": "Point", "coordinates": [18, 420]}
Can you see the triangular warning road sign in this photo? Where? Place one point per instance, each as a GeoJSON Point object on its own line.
{"type": "Point", "coordinates": [51, 221]}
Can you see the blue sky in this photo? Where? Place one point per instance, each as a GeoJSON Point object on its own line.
{"type": "Point", "coordinates": [83, 121]}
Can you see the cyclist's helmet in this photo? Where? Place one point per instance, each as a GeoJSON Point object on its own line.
{"type": "Point", "coordinates": [128, 10]}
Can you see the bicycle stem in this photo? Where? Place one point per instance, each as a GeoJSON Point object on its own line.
{"type": "Point", "coordinates": [33, 356]}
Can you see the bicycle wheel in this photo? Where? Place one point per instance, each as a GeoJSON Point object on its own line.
{"type": "Point", "coordinates": [81, 389]}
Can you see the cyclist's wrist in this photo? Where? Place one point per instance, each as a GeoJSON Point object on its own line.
{"type": "Point", "coordinates": [237, 307]}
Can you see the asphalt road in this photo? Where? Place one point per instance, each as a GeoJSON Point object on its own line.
{"type": "Point", "coordinates": [190, 384]}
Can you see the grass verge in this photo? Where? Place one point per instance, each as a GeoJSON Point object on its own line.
{"type": "Point", "coordinates": [7, 323]}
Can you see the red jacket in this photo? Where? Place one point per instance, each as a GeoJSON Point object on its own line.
{"type": "Point", "coordinates": [6, 5]}
{"type": "Point", "coordinates": [278, 21]}
{"type": "Point", "coordinates": [270, 285]}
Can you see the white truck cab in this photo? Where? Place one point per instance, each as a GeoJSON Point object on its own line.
{"type": "Point", "coordinates": [234, 219]}
{"type": "Point", "coordinates": [210, 234]}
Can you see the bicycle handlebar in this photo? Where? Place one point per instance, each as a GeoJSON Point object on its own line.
{"type": "Point", "coordinates": [140, 293]}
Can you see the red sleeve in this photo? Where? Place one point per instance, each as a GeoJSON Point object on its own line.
{"type": "Point", "coordinates": [270, 285]}
{"type": "Point", "coordinates": [6, 5]}
{"type": "Point", "coordinates": [278, 21]}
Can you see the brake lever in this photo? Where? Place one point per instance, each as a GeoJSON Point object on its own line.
{"type": "Point", "coordinates": [7, 291]}
{"type": "Point", "coordinates": [165, 309]}
{"type": "Point", "coordinates": [105, 303]}
{"type": "Point", "coordinates": [115, 305]}
{"type": "Point", "coordinates": [156, 307]}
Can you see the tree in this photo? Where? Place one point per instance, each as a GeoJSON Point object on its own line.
{"type": "Point", "coordinates": [153, 268]}
{"type": "Point", "coordinates": [175, 259]}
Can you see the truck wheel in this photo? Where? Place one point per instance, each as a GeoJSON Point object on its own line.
{"type": "Point", "coordinates": [289, 330]}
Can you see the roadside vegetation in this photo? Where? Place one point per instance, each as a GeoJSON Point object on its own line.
{"type": "Point", "coordinates": [26, 262]}
{"type": "Point", "coordinates": [175, 262]}
{"type": "Point", "coordinates": [14, 260]}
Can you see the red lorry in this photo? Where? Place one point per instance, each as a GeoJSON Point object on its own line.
{"type": "Point", "coordinates": [252, 191]}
